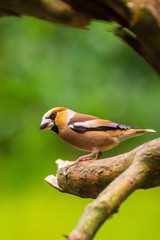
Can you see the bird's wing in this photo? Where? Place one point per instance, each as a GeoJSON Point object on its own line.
{"type": "Point", "coordinates": [95, 124]}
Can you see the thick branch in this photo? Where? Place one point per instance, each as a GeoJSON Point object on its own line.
{"type": "Point", "coordinates": [87, 179]}
{"type": "Point", "coordinates": [123, 174]}
{"type": "Point", "coordinates": [142, 18]}
{"type": "Point", "coordinates": [108, 201]}
{"type": "Point", "coordinates": [57, 11]}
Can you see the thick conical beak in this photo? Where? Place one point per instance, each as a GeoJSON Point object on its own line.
{"type": "Point", "coordinates": [46, 124]}
{"type": "Point", "coordinates": [43, 126]}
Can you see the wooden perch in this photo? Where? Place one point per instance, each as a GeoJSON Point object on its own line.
{"type": "Point", "coordinates": [139, 21]}
{"type": "Point", "coordinates": [111, 180]}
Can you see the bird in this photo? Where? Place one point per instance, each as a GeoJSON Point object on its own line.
{"type": "Point", "coordinates": [86, 132]}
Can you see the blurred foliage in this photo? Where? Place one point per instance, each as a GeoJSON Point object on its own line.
{"type": "Point", "coordinates": [43, 66]}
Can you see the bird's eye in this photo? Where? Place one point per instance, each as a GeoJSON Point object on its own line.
{"type": "Point", "coordinates": [53, 115]}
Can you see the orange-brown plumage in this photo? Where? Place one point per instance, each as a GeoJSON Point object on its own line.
{"type": "Point", "coordinates": [86, 132]}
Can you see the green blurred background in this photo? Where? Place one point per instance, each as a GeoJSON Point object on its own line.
{"type": "Point", "coordinates": [43, 66]}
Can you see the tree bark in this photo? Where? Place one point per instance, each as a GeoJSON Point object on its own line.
{"type": "Point", "coordinates": [139, 21]}
{"type": "Point", "coordinates": [111, 180]}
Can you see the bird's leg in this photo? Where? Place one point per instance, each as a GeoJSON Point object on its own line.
{"type": "Point", "coordinates": [99, 155]}
{"type": "Point", "coordinates": [84, 158]}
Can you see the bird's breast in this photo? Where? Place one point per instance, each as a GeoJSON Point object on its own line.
{"type": "Point", "coordinates": [87, 141]}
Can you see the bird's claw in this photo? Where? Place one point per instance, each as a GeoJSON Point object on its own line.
{"type": "Point", "coordinates": [80, 159]}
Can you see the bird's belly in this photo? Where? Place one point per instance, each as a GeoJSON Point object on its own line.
{"type": "Point", "coordinates": [89, 140]}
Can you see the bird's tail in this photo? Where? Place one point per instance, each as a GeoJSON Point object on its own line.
{"type": "Point", "coordinates": [140, 131]}
{"type": "Point", "coordinates": [133, 132]}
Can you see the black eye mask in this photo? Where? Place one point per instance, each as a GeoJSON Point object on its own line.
{"type": "Point", "coordinates": [52, 116]}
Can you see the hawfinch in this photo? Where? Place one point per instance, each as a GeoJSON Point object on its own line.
{"type": "Point", "coordinates": [86, 132]}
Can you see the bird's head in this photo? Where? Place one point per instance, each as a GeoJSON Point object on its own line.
{"type": "Point", "coordinates": [55, 118]}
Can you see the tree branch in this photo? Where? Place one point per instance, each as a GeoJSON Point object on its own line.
{"type": "Point", "coordinates": [141, 18]}
{"type": "Point", "coordinates": [139, 168]}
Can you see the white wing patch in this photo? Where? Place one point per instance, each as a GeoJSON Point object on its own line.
{"type": "Point", "coordinates": [70, 114]}
{"type": "Point", "coordinates": [71, 126]}
{"type": "Point", "coordinates": [87, 124]}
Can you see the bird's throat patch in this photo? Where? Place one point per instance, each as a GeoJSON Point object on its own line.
{"type": "Point", "coordinates": [55, 129]}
